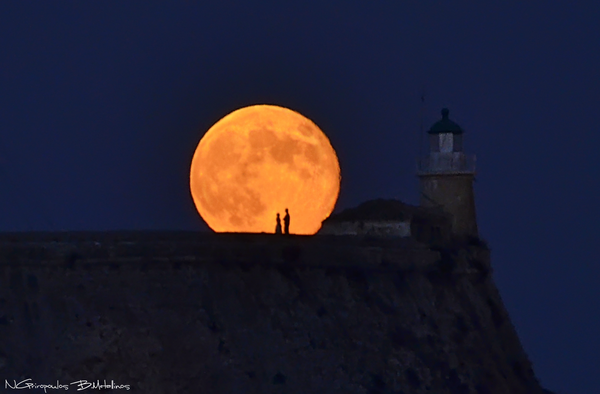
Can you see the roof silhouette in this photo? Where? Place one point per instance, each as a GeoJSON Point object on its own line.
{"type": "Point", "coordinates": [445, 125]}
{"type": "Point", "coordinates": [379, 209]}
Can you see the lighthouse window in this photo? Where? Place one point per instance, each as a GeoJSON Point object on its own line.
{"type": "Point", "coordinates": [446, 140]}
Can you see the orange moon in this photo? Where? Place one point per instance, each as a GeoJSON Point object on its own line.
{"type": "Point", "coordinates": [259, 160]}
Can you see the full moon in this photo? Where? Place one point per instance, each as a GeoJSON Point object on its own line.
{"type": "Point", "coordinates": [256, 162]}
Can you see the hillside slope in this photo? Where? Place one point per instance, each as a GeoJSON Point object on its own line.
{"type": "Point", "coordinates": [256, 314]}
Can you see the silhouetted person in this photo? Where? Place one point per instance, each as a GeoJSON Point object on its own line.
{"type": "Point", "coordinates": [286, 222]}
{"type": "Point", "coordinates": [278, 225]}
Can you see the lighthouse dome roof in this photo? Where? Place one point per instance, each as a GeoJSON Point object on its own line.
{"type": "Point", "coordinates": [445, 125]}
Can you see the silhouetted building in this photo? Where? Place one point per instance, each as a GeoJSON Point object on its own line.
{"type": "Point", "coordinates": [447, 204]}
{"type": "Point", "coordinates": [446, 175]}
{"type": "Point", "coordinates": [390, 219]}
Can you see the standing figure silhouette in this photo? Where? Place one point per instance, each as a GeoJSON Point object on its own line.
{"type": "Point", "coordinates": [286, 222]}
{"type": "Point", "coordinates": [278, 225]}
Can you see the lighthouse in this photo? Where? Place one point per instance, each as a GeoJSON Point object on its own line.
{"type": "Point", "coordinates": [446, 176]}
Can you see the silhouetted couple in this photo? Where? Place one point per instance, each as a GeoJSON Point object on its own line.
{"type": "Point", "coordinates": [286, 223]}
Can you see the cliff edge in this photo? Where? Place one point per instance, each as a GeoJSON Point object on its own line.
{"type": "Point", "coordinates": [255, 313]}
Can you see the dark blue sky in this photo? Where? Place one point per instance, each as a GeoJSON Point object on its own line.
{"type": "Point", "coordinates": [103, 103]}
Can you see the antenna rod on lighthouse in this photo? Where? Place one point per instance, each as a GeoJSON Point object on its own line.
{"type": "Point", "coordinates": [421, 128]}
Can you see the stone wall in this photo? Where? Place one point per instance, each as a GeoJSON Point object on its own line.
{"type": "Point", "coordinates": [453, 192]}
{"type": "Point", "coordinates": [383, 228]}
{"type": "Point", "coordinates": [255, 313]}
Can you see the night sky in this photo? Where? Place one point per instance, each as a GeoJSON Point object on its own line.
{"type": "Point", "coordinates": [103, 104]}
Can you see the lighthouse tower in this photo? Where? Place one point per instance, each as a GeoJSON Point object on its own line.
{"type": "Point", "coordinates": [446, 176]}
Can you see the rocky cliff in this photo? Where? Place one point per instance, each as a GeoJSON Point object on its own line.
{"type": "Point", "coordinates": [254, 313]}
